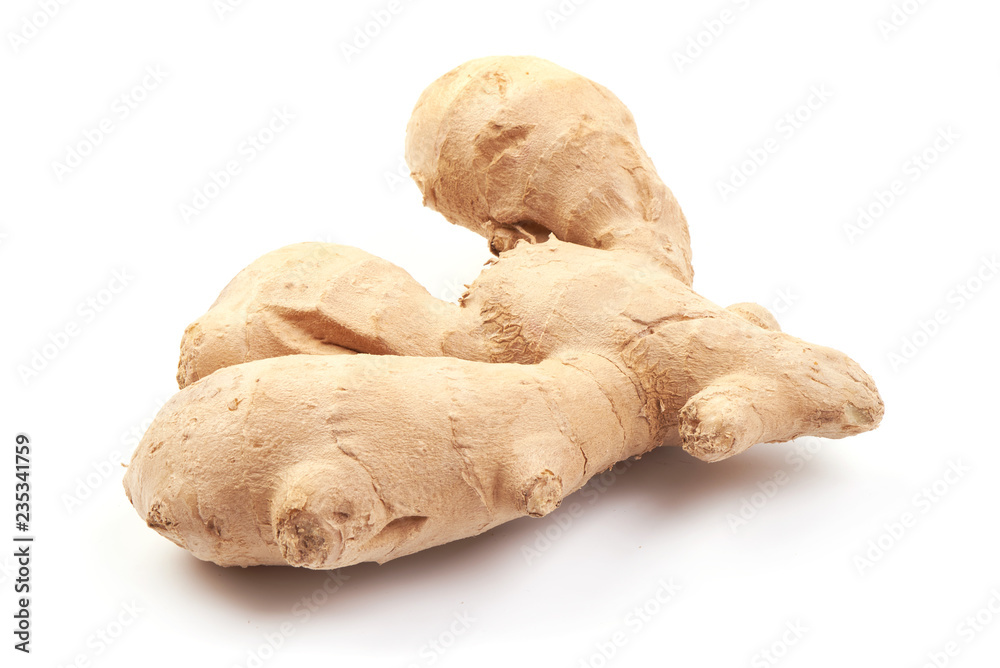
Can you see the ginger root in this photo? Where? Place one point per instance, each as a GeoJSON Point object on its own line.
{"type": "Point", "coordinates": [333, 412]}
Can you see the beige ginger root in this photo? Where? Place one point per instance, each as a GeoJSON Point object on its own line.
{"type": "Point", "coordinates": [333, 412]}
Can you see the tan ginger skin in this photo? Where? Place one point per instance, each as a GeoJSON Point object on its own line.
{"type": "Point", "coordinates": [334, 412]}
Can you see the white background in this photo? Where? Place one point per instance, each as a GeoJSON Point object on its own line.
{"type": "Point", "coordinates": [780, 239]}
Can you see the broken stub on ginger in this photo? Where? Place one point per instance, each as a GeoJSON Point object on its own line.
{"type": "Point", "coordinates": [332, 411]}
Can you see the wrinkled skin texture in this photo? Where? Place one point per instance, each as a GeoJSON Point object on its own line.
{"type": "Point", "coordinates": [333, 412]}
{"type": "Point", "coordinates": [516, 148]}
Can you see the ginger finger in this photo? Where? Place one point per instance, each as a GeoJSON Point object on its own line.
{"type": "Point", "coordinates": [326, 461]}
{"type": "Point", "coordinates": [318, 299]}
{"type": "Point", "coordinates": [517, 148]}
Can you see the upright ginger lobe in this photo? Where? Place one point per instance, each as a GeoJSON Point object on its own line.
{"type": "Point", "coordinates": [333, 412]}
{"type": "Point", "coordinates": [516, 148]}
